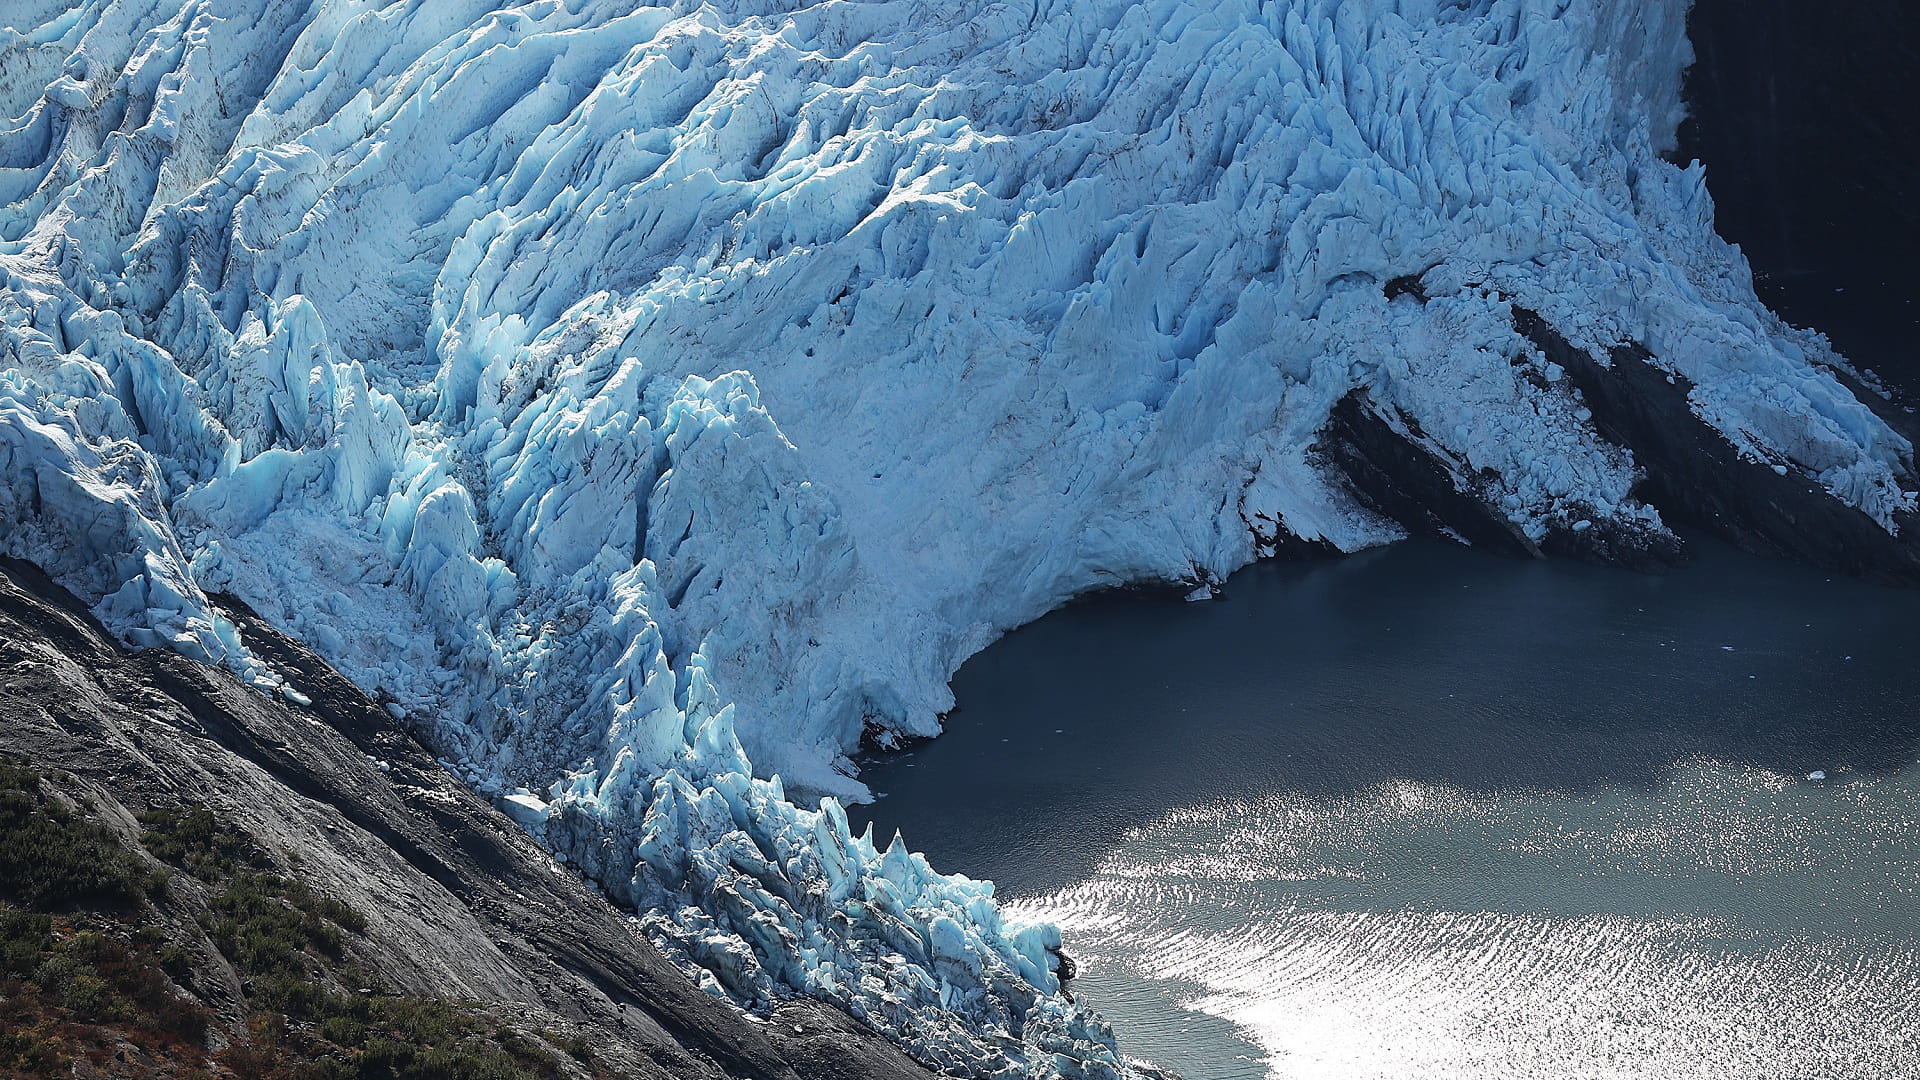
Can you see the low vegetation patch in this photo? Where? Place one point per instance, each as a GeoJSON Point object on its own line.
{"type": "Point", "coordinates": [52, 858]}
{"type": "Point", "coordinates": [87, 972]}
{"type": "Point", "coordinates": [79, 969]}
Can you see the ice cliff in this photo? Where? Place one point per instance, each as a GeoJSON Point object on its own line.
{"type": "Point", "coordinates": [650, 400]}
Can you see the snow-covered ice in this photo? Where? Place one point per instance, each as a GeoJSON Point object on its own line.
{"type": "Point", "coordinates": [647, 400]}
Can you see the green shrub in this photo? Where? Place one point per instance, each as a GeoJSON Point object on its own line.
{"type": "Point", "coordinates": [344, 1030]}
{"type": "Point", "coordinates": [24, 937]}
{"type": "Point", "coordinates": [174, 960]}
{"type": "Point", "coordinates": [51, 859]}
{"type": "Point", "coordinates": [32, 1052]}
{"type": "Point", "coordinates": [85, 996]}
{"type": "Point", "coordinates": [193, 839]}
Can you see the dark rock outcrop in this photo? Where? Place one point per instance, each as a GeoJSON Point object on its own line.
{"type": "Point", "coordinates": [460, 903]}
{"type": "Point", "coordinates": [1694, 476]}
{"type": "Point", "coordinates": [1394, 469]}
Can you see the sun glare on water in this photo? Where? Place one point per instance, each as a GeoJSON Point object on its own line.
{"type": "Point", "coordinates": [1733, 923]}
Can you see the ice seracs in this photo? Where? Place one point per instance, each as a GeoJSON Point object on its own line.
{"type": "Point", "coordinates": [648, 400]}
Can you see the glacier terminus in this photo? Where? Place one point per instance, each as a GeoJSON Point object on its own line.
{"type": "Point", "coordinates": [651, 402]}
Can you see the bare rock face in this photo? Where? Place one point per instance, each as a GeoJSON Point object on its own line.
{"type": "Point", "coordinates": [1690, 472]}
{"type": "Point", "coordinates": [1696, 476]}
{"type": "Point", "coordinates": [459, 902]}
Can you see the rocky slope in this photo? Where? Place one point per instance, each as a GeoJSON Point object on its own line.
{"type": "Point", "coordinates": [458, 903]}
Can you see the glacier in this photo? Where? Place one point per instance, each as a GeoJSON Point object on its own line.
{"type": "Point", "coordinates": [652, 401]}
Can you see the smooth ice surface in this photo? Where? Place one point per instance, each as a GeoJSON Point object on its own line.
{"type": "Point", "coordinates": [650, 399]}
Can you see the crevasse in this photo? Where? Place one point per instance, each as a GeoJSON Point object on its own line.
{"type": "Point", "coordinates": [649, 400]}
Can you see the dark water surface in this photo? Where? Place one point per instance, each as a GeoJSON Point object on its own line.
{"type": "Point", "coordinates": [1429, 813]}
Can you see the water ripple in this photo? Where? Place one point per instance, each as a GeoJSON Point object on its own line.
{"type": "Point", "coordinates": [1735, 924]}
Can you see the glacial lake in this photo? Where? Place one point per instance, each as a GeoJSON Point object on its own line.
{"type": "Point", "coordinates": [1429, 813]}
